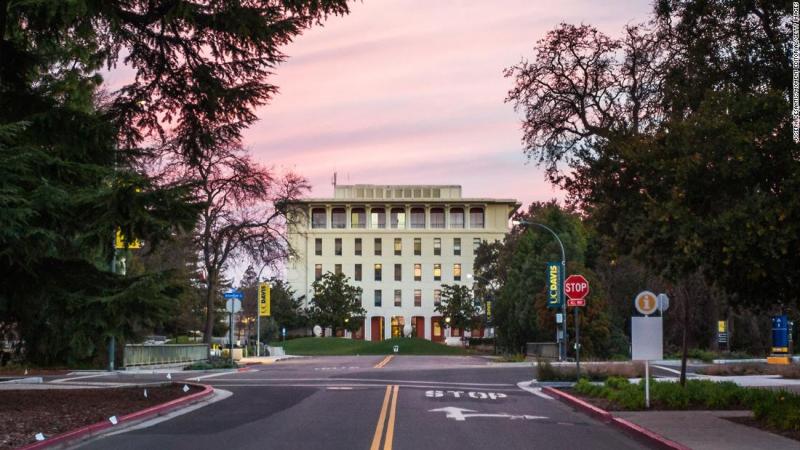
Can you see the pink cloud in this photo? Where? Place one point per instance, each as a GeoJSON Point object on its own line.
{"type": "Point", "coordinates": [411, 91]}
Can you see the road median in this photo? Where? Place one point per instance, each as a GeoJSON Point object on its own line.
{"type": "Point", "coordinates": [84, 432]}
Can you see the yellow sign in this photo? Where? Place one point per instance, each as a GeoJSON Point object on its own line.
{"type": "Point", "coordinates": [722, 326]}
{"type": "Point", "coordinates": [646, 303]}
{"type": "Point", "coordinates": [120, 241]}
{"type": "Point", "coordinates": [263, 299]}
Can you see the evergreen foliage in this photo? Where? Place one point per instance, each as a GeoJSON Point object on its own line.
{"type": "Point", "coordinates": [336, 303]}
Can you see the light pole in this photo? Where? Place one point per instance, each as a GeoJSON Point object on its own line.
{"type": "Point", "coordinates": [563, 341]}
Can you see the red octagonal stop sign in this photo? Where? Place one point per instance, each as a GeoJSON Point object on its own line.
{"type": "Point", "coordinates": [576, 287]}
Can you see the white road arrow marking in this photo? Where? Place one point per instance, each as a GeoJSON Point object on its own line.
{"type": "Point", "coordinates": [458, 414]}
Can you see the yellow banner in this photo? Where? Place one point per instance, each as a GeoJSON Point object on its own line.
{"type": "Point", "coordinates": [263, 299]}
{"type": "Point", "coordinates": [722, 326]}
{"type": "Point", "coordinates": [121, 241]}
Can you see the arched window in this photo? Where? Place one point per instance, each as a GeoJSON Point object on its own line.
{"type": "Point", "coordinates": [358, 218]}
{"type": "Point", "coordinates": [398, 218]}
{"type": "Point", "coordinates": [338, 218]}
{"type": "Point", "coordinates": [378, 218]}
{"type": "Point", "coordinates": [437, 217]}
{"type": "Point", "coordinates": [417, 217]}
{"type": "Point", "coordinates": [476, 219]}
{"type": "Point", "coordinates": [457, 218]}
{"type": "Point", "coordinates": [318, 218]}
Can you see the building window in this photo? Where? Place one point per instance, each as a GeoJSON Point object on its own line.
{"type": "Point", "coordinates": [358, 218]}
{"type": "Point", "coordinates": [337, 247]}
{"type": "Point", "coordinates": [318, 218]}
{"type": "Point", "coordinates": [317, 272]}
{"type": "Point", "coordinates": [338, 218]}
{"type": "Point", "coordinates": [398, 298]}
{"type": "Point", "coordinates": [398, 272]}
{"type": "Point", "coordinates": [437, 272]}
{"type": "Point", "coordinates": [457, 218]}
{"type": "Point", "coordinates": [456, 272]}
{"type": "Point", "coordinates": [437, 217]}
{"type": "Point", "coordinates": [417, 217]}
{"type": "Point", "coordinates": [361, 298]}
{"type": "Point", "coordinates": [456, 246]}
{"type": "Point", "coordinates": [476, 218]}
{"type": "Point", "coordinates": [417, 246]}
{"type": "Point", "coordinates": [378, 218]}
{"type": "Point", "coordinates": [358, 247]}
{"type": "Point", "coordinates": [398, 246]}
{"type": "Point", "coordinates": [417, 272]}
{"type": "Point", "coordinates": [318, 246]}
{"type": "Point", "coordinates": [398, 218]}
{"type": "Point", "coordinates": [418, 297]}
{"type": "Point", "coordinates": [337, 269]}
{"type": "Point", "coordinates": [437, 297]}
{"type": "Point", "coordinates": [378, 246]}
{"type": "Point", "coordinates": [476, 242]}
{"type": "Point", "coordinates": [378, 272]}
{"type": "Point", "coordinates": [378, 297]}
{"type": "Point", "coordinates": [357, 273]}
{"type": "Point", "coordinates": [437, 246]}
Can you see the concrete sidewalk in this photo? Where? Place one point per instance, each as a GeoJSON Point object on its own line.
{"type": "Point", "coordinates": [265, 359]}
{"type": "Point", "coordinates": [708, 430]}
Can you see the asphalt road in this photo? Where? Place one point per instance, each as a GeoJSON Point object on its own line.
{"type": "Point", "coordinates": [371, 402]}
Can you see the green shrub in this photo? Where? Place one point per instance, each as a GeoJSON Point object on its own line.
{"type": "Point", "coordinates": [214, 362]}
{"type": "Point", "coordinates": [617, 382]}
{"type": "Point", "coordinates": [629, 397]}
{"type": "Point", "coordinates": [546, 372]}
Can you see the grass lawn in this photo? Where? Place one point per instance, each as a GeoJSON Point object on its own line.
{"type": "Point", "coordinates": [311, 346]}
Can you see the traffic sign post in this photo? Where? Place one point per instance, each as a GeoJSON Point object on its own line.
{"type": "Point", "coordinates": [647, 334]}
{"type": "Point", "coordinates": [232, 305]}
{"type": "Point", "coordinates": [576, 287]}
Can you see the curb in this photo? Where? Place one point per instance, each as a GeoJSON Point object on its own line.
{"type": "Point", "coordinates": [627, 426]}
{"type": "Point", "coordinates": [93, 429]}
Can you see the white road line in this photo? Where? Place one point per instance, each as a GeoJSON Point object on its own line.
{"type": "Point", "coordinates": [211, 375]}
{"type": "Point", "coordinates": [526, 386]}
{"type": "Point", "coordinates": [66, 380]}
{"type": "Point", "coordinates": [378, 380]}
{"type": "Point", "coordinates": [419, 386]}
{"type": "Point", "coordinates": [669, 370]}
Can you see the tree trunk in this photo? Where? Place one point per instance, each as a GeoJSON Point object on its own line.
{"type": "Point", "coordinates": [210, 289]}
{"type": "Point", "coordinates": [685, 343]}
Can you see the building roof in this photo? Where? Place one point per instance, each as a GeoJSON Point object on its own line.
{"type": "Point", "coordinates": [375, 193]}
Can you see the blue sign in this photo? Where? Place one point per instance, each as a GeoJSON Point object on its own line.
{"type": "Point", "coordinates": [283, 331]}
{"type": "Point", "coordinates": [234, 294]}
{"type": "Point", "coordinates": [780, 334]}
{"type": "Point", "coordinates": [555, 283]}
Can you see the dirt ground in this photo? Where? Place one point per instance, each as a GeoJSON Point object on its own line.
{"type": "Point", "coordinates": [23, 413]}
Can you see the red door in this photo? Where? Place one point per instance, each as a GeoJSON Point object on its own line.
{"type": "Point", "coordinates": [376, 329]}
{"type": "Point", "coordinates": [420, 327]}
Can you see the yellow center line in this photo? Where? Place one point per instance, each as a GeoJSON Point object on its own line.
{"type": "Point", "coordinates": [387, 445]}
{"type": "Point", "coordinates": [376, 439]}
{"type": "Point", "coordinates": [384, 362]}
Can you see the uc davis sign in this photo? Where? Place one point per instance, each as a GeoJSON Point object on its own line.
{"type": "Point", "coordinates": [554, 285]}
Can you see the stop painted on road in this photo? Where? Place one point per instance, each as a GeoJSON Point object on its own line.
{"type": "Point", "coordinates": [477, 395]}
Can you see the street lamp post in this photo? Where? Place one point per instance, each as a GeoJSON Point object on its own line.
{"type": "Point", "coordinates": [563, 341]}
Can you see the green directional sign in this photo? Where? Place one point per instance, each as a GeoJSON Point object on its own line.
{"type": "Point", "coordinates": [554, 285]}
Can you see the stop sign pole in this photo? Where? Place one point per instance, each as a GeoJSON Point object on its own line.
{"type": "Point", "coordinates": [577, 288]}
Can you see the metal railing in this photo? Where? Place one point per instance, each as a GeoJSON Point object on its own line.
{"type": "Point", "coordinates": [151, 355]}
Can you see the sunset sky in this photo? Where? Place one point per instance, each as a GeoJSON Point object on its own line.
{"type": "Point", "coordinates": [411, 91]}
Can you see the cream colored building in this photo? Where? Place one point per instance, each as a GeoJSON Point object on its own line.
{"type": "Point", "coordinates": [399, 244]}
